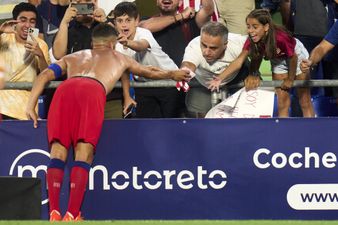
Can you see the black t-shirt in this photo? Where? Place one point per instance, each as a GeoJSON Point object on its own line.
{"type": "Point", "coordinates": [79, 37]}
{"type": "Point", "coordinates": [51, 16]}
{"type": "Point", "coordinates": [174, 38]}
{"type": "Point", "coordinates": [310, 17]}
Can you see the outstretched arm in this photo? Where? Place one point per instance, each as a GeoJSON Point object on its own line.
{"type": "Point", "coordinates": [232, 68]}
{"type": "Point", "coordinates": [153, 72]}
{"type": "Point", "coordinates": [127, 99]}
{"type": "Point", "coordinates": [38, 86]}
{"type": "Point", "coordinates": [188, 65]}
{"type": "Point", "coordinates": [137, 46]}
{"type": "Point", "coordinates": [316, 55]}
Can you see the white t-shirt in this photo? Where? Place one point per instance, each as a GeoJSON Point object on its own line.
{"type": "Point", "coordinates": [204, 70]}
{"type": "Point", "coordinates": [153, 56]}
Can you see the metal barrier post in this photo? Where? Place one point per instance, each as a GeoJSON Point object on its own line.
{"type": "Point", "coordinates": [214, 98]}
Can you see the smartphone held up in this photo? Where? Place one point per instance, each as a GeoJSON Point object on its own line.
{"type": "Point", "coordinates": [84, 8]}
{"type": "Point", "coordinates": [34, 32]}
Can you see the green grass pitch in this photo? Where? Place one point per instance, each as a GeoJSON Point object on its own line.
{"type": "Point", "coordinates": [178, 222]}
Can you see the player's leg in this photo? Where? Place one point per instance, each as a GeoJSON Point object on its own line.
{"type": "Point", "coordinates": [304, 96]}
{"type": "Point", "coordinates": [84, 155]}
{"type": "Point", "coordinates": [283, 97]}
{"type": "Point", "coordinates": [55, 174]}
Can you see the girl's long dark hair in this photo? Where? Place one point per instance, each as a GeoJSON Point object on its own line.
{"type": "Point", "coordinates": [263, 17]}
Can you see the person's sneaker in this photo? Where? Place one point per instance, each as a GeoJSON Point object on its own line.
{"type": "Point", "coordinates": [54, 216]}
{"type": "Point", "coordinates": [69, 217]}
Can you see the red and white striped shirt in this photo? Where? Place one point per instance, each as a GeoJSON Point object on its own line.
{"type": "Point", "coordinates": [196, 4]}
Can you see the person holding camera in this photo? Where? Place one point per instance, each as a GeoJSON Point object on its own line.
{"type": "Point", "coordinates": [77, 37]}
{"type": "Point", "coordinates": [24, 56]}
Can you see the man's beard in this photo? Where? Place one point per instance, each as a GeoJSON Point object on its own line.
{"type": "Point", "coordinates": [168, 11]}
{"type": "Point", "coordinates": [85, 19]}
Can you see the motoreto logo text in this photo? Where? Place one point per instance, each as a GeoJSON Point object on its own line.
{"type": "Point", "coordinates": [101, 177]}
{"type": "Point", "coordinates": [153, 179]}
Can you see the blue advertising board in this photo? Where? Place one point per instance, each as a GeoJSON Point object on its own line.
{"type": "Point", "coordinates": [195, 169]}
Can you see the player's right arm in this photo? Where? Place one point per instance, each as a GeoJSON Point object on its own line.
{"type": "Point", "coordinates": [53, 71]}
{"type": "Point", "coordinates": [153, 72]}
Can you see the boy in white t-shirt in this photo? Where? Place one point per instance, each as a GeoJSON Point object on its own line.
{"type": "Point", "coordinates": [207, 56]}
{"type": "Point", "coordinates": [140, 44]}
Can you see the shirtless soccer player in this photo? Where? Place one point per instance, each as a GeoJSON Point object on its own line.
{"type": "Point", "coordinates": [77, 110]}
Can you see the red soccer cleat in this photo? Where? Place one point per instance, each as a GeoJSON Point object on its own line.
{"type": "Point", "coordinates": [69, 217]}
{"type": "Point", "coordinates": [55, 216]}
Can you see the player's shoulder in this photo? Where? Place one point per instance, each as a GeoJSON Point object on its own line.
{"type": "Point", "coordinates": [121, 58]}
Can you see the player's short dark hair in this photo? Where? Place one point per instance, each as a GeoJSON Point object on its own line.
{"type": "Point", "coordinates": [23, 7]}
{"type": "Point", "coordinates": [126, 8]}
{"type": "Point", "coordinates": [215, 29]}
{"type": "Point", "coordinates": [104, 31]}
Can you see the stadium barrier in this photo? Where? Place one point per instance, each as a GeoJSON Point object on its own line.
{"type": "Point", "coordinates": [166, 83]}
{"type": "Point", "coordinates": [323, 105]}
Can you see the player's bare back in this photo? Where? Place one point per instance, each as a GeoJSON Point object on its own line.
{"type": "Point", "coordinates": [105, 65]}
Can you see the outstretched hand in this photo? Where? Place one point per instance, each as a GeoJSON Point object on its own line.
{"type": "Point", "coordinates": [252, 82]}
{"type": "Point", "coordinates": [214, 83]}
{"type": "Point", "coordinates": [123, 40]}
{"type": "Point", "coordinates": [305, 65]}
{"type": "Point", "coordinates": [180, 75]}
{"type": "Point", "coordinates": [31, 115]}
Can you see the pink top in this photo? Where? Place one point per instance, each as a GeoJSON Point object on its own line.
{"type": "Point", "coordinates": [285, 45]}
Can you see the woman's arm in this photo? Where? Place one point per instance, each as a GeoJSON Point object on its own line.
{"type": "Point", "coordinates": [232, 68]}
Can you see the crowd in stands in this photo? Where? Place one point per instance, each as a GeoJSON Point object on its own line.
{"type": "Point", "coordinates": [181, 35]}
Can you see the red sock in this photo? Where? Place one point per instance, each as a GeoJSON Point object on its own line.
{"type": "Point", "coordinates": [78, 184]}
{"type": "Point", "coordinates": [54, 184]}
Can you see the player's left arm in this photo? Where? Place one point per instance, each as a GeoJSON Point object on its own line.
{"type": "Point", "coordinates": [54, 71]}
{"type": "Point", "coordinates": [127, 99]}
